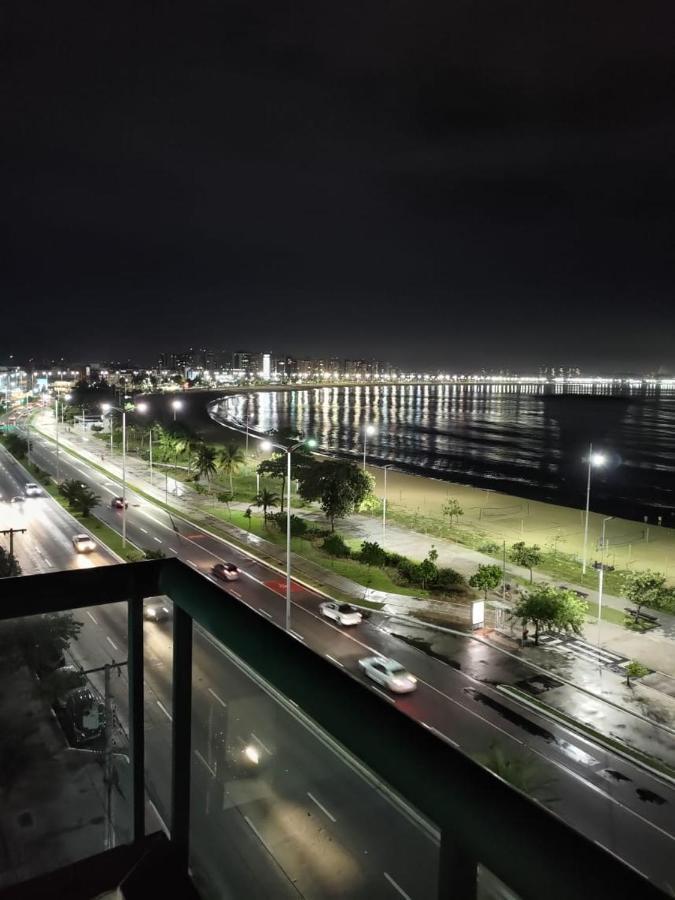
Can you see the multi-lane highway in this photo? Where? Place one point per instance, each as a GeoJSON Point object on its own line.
{"type": "Point", "coordinates": [615, 803]}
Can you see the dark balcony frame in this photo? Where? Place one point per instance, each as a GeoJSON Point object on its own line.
{"type": "Point", "coordinates": [480, 818]}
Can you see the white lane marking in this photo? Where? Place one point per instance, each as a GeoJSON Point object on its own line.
{"type": "Point", "coordinates": [165, 711]}
{"type": "Point", "coordinates": [192, 563]}
{"type": "Point", "coordinates": [213, 694]}
{"type": "Point", "coordinates": [321, 807]}
{"type": "Point", "coordinates": [257, 739]}
{"type": "Point", "coordinates": [349, 636]}
{"type": "Point", "coordinates": [157, 539]}
{"type": "Point", "coordinates": [235, 594]}
{"type": "Point", "coordinates": [440, 735]}
{"type": "Point", "coordinates": [173, 550]}
{"type": "Point", "coordinates": [336, 661]}
{"type": "Point", "coordinates": [257, 834]}
{"type": "Point", "coordinates": [202, 760]}
{"type": "Point", "coordinates": [92, 618]}
{"type": "Point", "coordinates": [296, 635]}
{"type": "Point", "coordinates": [397, 887]}
{"type": "Point", "coordinates": [264, 612]}
{"type": "Point", "coordinates": [144, 530]}
{"type": "Point", "coordinates": [382, 694]}
{"type": "Point", "coordinates": [111, 642]}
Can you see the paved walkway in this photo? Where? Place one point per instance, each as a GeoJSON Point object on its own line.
{"type": "Point", "coordinates": [654, 649]}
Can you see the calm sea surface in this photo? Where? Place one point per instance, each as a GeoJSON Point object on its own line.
{"type": "Point", "coordinates": [529, 441]}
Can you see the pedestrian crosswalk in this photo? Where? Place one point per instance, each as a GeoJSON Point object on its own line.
{"type": "Point", "coordinates": [583, 650]}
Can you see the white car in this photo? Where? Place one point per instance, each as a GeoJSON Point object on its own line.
{"type": "Point", "coordinates": [342, 613]}
{"type": "Point", "coordinates": [389, 674]}
{"type": "Point", "coordinates": [33, 490]}
{"type": "Point", "coordinates": [83, 543]}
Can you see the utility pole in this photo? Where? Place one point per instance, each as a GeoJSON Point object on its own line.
{"type": "Point", "coordinates": [108, 772]}
{"type": "Point", "coordinates": [11, 532]}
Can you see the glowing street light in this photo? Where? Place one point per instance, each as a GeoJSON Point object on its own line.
{"type": "Point", "coordinates": [267, 446]}
{"type": "Point", "coordinates": [368, 431]}
{"type": "Point", "coordinates": [176, 405]}
{"type": "Point", "coordinates": [597, 460]}
{"type": "Point", "coordinates": [143, 407]}
{"type": "Point", "coordinates": [109, 408]}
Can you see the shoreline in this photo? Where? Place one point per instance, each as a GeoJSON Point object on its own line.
{"type": "Point", "coordinates": [501, 516]}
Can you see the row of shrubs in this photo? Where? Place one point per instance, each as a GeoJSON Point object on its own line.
{"type": "Point", "coordinates": [426, 574]}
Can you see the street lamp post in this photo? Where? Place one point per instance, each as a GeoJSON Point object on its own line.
{"type": "Point", "coordinates": [142, 407]}
{"type": "Point", "coordinates": [384, 504]}
{"type": "Point", "coordinates": [56, 410]}
{"type": "Point", "coordinates": [176, 405]}
{"type": "Point", "coordinates": [267, 446]}
{"type": "Point", "coordinates": [368, 430]}
{"type": "Point", "coordinates": [594, 459]}
{"type": "Point", "coordinates": [106, 407]}
{"type": "Point", "coordinates": [601, 577]}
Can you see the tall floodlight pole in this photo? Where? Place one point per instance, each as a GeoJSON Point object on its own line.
{"type": "Point", "coordinates": [594, 459]}
{"type": "Point", "coordinates": [384, 505]}
{"type": "Point", "coordinates": [106, 407]}
{"type": "Point", "coordinates": [267, 446]}
{"type": "Point", "coordinates": [368, 430]}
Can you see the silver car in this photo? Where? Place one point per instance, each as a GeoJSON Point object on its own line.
{"type": "Point", "coordinates": [389, 674]}
{"type": "Point", "coordinates": [342, 613]}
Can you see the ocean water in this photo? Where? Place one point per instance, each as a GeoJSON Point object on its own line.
{"type": "Point", "coordinates": [531, 441]}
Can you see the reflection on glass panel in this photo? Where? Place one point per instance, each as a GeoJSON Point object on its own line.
{"type": "Point", "coordinates": [157, 703]}
{"type": "Point", "coordinates": [64, 766]}
{"type": "Point", "coordinates": [491, 888]}
{"type": "Point", "coordinates": [279, 810]}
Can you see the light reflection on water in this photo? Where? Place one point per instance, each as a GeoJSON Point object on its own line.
{"type": "Point", "coordinates": [522, 439]}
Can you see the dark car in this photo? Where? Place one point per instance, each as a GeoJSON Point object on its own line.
{"type": "Point", "coordinates": [119, 503]}
{"type": "Point", "coordinates": [225, 571]}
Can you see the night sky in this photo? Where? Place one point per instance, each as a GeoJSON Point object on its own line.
{"type": "Point", "coordinates": [453, 184]}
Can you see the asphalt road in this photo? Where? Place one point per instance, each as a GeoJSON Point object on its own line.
{"type": "Point", "coordinates": [615, 803]}
{"type": "Point", "coordinates": [307, 823]}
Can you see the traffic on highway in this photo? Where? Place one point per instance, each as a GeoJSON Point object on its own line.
{"type": "Point", "coordinates": [589, 785]}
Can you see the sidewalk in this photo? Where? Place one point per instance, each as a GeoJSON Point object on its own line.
{"type": "Point", "coordinates": [654, 650]}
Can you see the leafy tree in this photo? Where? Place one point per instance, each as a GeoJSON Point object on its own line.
{"type": "Point", "coordinates": [277, 467]}
{"type": "Point", "coordinates": [449, 580]}
{"type": "Point", "coordinates": [486, 578]}
{"type": "Point", "coordinates": [635, 669]}
{"type": "Point", "coordinates": [526, 556]}
{"type": "Point", "coordinates": [266, 499]}
{"type": "Point", "coordinates": [247, 516]}
{"type": "Point", "coordinates": [40, 641]}
{"type": "Point", "coordinates": [646, 588]}
{"type": "Point", "coordinates": [9, 565]}
{"type": "Point", "coordinates": [336, 546]}
{"type": "Point", "coordinates": [428, 572]}
{"type": "Point", "coordinates": [551, 607]}
{"type": "Point", "coordinates": [453, 509]}
{"type": "Point", "coordinates": [298, 526]}
{"type": "Point", "coordinates": [224, 497]}
{"type": "Point", "coordinates": [204, 462]}
{"type": "Point", "coordinates": [154, 554]}
{"type": "Point", "coordinates": [372, 554]}
{"type": "Point", "coordinates": [339, 486]}
{"type": "Point", "coordinates": [79, 496]}
{"type": "Point", "coordinates": [230, 459]}
{"type": "Point", "coordinates": [16, 445]}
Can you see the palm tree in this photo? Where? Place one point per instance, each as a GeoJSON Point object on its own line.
{"type": "Point", "coordinates": [204, 461]}
{"type": "Point", "coordinates": [230, 459]}
{"type": "Point", "coordinates": [266, 499]}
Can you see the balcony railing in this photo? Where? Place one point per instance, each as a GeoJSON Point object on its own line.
{"type": "Point", "coordinates": [277, 773]}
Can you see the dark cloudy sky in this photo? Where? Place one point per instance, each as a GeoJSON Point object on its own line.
{"type": "Point", "coordinates": [449, 184]}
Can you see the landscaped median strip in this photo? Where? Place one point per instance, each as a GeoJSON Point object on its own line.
{"type": "Point", "coordinates": [216, 532]}
{"type": "Point", "coordinates": [650, 763]}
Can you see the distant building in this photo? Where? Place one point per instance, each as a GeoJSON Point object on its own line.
{"type": "Point", "coordinates": [552, 372]}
